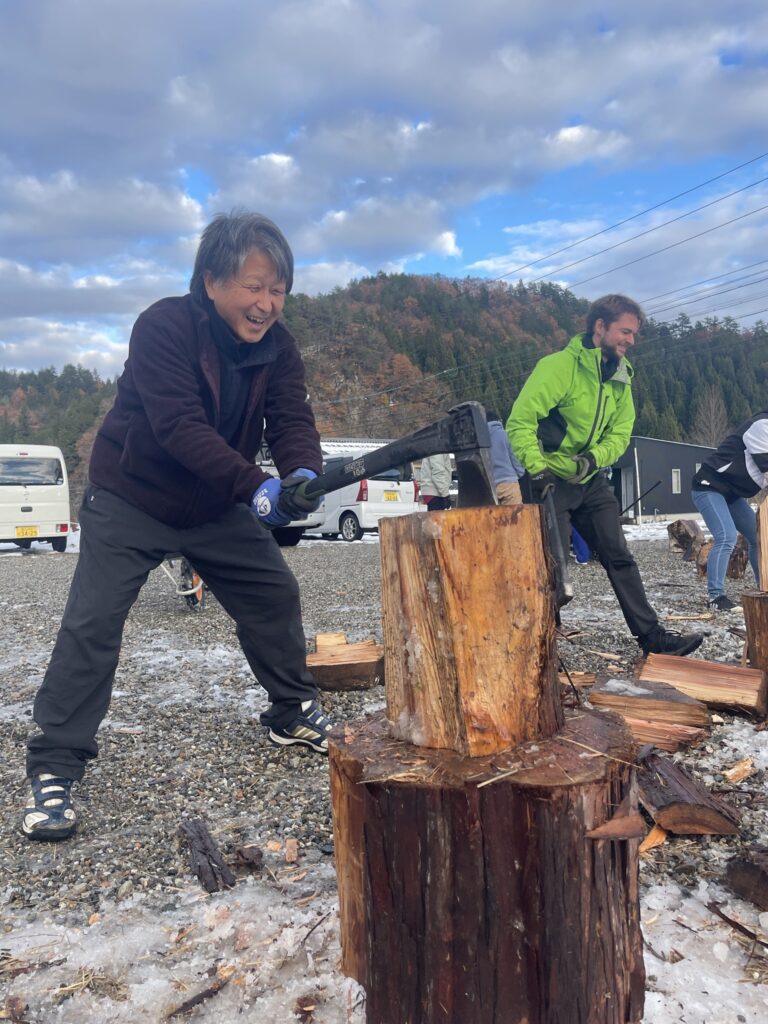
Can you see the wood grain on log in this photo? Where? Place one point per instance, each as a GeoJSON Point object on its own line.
{"type": "Point", "coordinates": [716, 684]}
{"type": "Point", "coordinates": [338, 665]}
{"type": "Point", "coordinates": [469, 890]}
{"type": "Point", "coordinates": [469, 628]}
{"type": "Point", "coordinates": [762, 545]}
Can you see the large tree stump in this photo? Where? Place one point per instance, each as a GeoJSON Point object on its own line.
{"type": "Point", "coordinates": [469, 629]}
{"type": "Point", "coordinates": [473, 888]}
{"type": "Point", "coordinates": [469, 890]}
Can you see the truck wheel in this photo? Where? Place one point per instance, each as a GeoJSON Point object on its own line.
{"type": "Point", "coordinates": [350, 527]}
{"type": "Point", "coordinates": [59, 543]}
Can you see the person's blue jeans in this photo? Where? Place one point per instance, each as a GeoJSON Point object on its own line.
{"type": "Point", "coordinates": [725, 520]}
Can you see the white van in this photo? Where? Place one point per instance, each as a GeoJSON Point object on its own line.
{"type": "Point", "coordinates": [34, 495]}
{"type": "Point", "coordinates": [357, 508]}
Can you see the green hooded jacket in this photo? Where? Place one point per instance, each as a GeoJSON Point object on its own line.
{"type": "Point", "coordinates": [565, 409]}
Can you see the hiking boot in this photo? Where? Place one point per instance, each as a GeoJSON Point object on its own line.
{"type": "Point", "coordinates": [667, 641]}
{"type": "Point", "coordinates": [49, 813]}
{"type": "Point", "coordinates": [722, 603]}
{"type": "Point", "coordinates": [309, 729]}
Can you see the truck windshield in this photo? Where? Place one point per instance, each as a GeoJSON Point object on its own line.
{"type": "Point", "coordinates": [30, 471]}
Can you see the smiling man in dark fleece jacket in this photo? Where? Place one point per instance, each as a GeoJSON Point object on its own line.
{"type": "Point", "coordinates": [172, 470]}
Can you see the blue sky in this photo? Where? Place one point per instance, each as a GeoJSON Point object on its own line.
{"type": "Point", "coordinates": [429, 137]}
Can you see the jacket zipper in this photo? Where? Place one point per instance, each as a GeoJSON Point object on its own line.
{"type": "Point", "coordinates": [600, 397]}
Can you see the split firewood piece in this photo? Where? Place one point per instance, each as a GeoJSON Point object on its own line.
{"type": "Point", "coordinates": [653, 701]}
{"type": "Point", "coordinates": [205, 858]}
{"type": "Point", "coordinates": [679, 803]}
{"type": "Point", "coordinates": [623, 825]}
{"type": "Point", "coordinates": [716, 684]}
{"type": "Point", "coordinates": [667, 736]}
{"type": "Point", "coordinates": [579, 679]}
{"type": "Point", "coordinates": [339, 665]}
{"type": "Point", "coordinates": [748, 877]}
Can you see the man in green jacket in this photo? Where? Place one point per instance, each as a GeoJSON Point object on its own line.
{"type": "Point", "coordinates": [573, 418]}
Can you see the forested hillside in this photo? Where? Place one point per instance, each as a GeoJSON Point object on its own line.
{"type": "Point", "coordinates": [388, 354]}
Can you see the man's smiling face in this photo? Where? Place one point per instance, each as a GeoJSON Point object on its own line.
{"type": "Point", "coordinates": [251, 301]}
{"type": "Point", "coordinates": [617, 337]}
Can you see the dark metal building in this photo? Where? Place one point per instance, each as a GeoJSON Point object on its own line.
{"type": "Point", "coordinates": [666, 467]}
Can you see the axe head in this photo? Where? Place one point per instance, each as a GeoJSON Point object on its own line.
{"type": "Point", "coordinates": [470, 443]}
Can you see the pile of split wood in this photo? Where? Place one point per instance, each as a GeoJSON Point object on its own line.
{"type": "Point", "coordinates": [668, 706]}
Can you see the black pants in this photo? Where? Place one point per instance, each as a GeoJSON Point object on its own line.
{"type": "Point", "coordinates": [242, 566]}
{"type": "Point", "coordinates": [592, 508]}
{"type": "Point", "coordinates": [438, 504]}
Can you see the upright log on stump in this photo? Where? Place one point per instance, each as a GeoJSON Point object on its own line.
{"type": "Point", "coordinates": [755, 602]}
{"type": "Point", "coordinates": [469, 887]}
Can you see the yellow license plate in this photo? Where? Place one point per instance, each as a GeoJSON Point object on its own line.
{"type": "Point", "coordinates": [27, 531]}
{"type": "Point", "coordinates": [391, 496]}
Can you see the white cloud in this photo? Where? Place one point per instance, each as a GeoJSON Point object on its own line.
{"type": "Point", "coordinates": [321, 278]}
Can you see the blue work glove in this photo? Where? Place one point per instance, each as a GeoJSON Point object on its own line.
{"type": "Point", "coordinates": [541, 484]}
{"type": "Point", "coordinates": [265, 503]}
{"type": "Point", "coordinates": [293, 498]}
{"type": "Point", "coordinates": [585, 466]}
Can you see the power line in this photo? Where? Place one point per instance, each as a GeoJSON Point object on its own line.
{"type": "Point", "coordinates": [709, 295]}
{"type": "Point", "coordinates": [648, 231]}
{"type": "Point", "coordinates": [674, 245]}
{"type": "Point", "coordinates": [634, 216]}
{"type": "Point", "coordinates": [706, 280]}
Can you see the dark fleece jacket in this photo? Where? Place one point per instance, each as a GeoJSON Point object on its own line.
{"type": "Point", "coordinates": [159, 447]}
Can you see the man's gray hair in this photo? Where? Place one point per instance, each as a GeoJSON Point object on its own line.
{"type": "Point", "coordinates": [226, 243]}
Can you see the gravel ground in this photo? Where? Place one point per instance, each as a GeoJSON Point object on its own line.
{"type": "Point", "coordinates": [182, 738]}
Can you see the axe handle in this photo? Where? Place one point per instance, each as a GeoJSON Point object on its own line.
{"type": "Point", "coordinates": [563, 585]}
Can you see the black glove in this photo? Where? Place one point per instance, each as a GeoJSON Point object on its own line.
{"type": "Point", "coordinates": [585, 466]}
{"type": "Point", "coordinates": [541, 484]}
{"type": "Point", "coordinates": [293, 498]}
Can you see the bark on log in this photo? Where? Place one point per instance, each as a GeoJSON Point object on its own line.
{"type": "Point", "coordinates": [748, 877]}
{"type": "Point", "coordinates": [716, 684]}
{"type": "Point", "coordinates": [762, 545]}
{"type": "Point", "coordinates": [468, 888]}
{"type": "Point", "coordinates": [205, 858]}
{"type": "Point", "coordinates": [755, 605]}
{"type": "Point", "coordinates": [679, 803]}
{"type": "Point", "coordinates": [469, 629]}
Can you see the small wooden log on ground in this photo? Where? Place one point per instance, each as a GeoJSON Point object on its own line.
{"type": "Point", "coordinates": [737, 563]}
{"type": "Point", "coordinates": [748, 877]}
{"type": "Point", "coordinates": [680, 804]}
{"type": "Point", "coordinates": [480, 890]}
{"type": "Point", "coordinates": [339, 665]}
{"type": "Point", "coordinates": [469, 629]}
{"type": "Point", "coordinates": [687, 536]}
{"type": "Point", "coordinates": [716, 684]}
{"type": "Point", "coordinates": [205, 857]}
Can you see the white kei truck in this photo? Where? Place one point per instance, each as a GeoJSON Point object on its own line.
{"type": "Point", "coordinates": [34, 495]}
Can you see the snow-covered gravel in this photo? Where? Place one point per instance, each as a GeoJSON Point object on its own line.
{"type": "Point", "coordinates": [112, 927]}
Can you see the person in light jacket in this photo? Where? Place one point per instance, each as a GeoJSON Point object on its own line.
{"type": "Point", "coordinates": [435, 482]}
{"type": "Point", "coordinates": [172, 470]}
{"type": "Point", "coordinates": [737, 470]}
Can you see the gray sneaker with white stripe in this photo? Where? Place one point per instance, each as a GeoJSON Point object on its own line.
{"type": "Point", "coordinates": [310, 728]}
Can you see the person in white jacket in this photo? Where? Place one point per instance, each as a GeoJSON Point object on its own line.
{"type": "Point", "coordinates": [435, 482]}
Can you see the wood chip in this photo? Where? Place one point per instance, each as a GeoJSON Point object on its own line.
{"type": "Point", "coordinates": [291, 851]}
{"type": "Point", "coordinates": [741, 770]}
{"type": "Point", "coordinates": [655, 837]}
